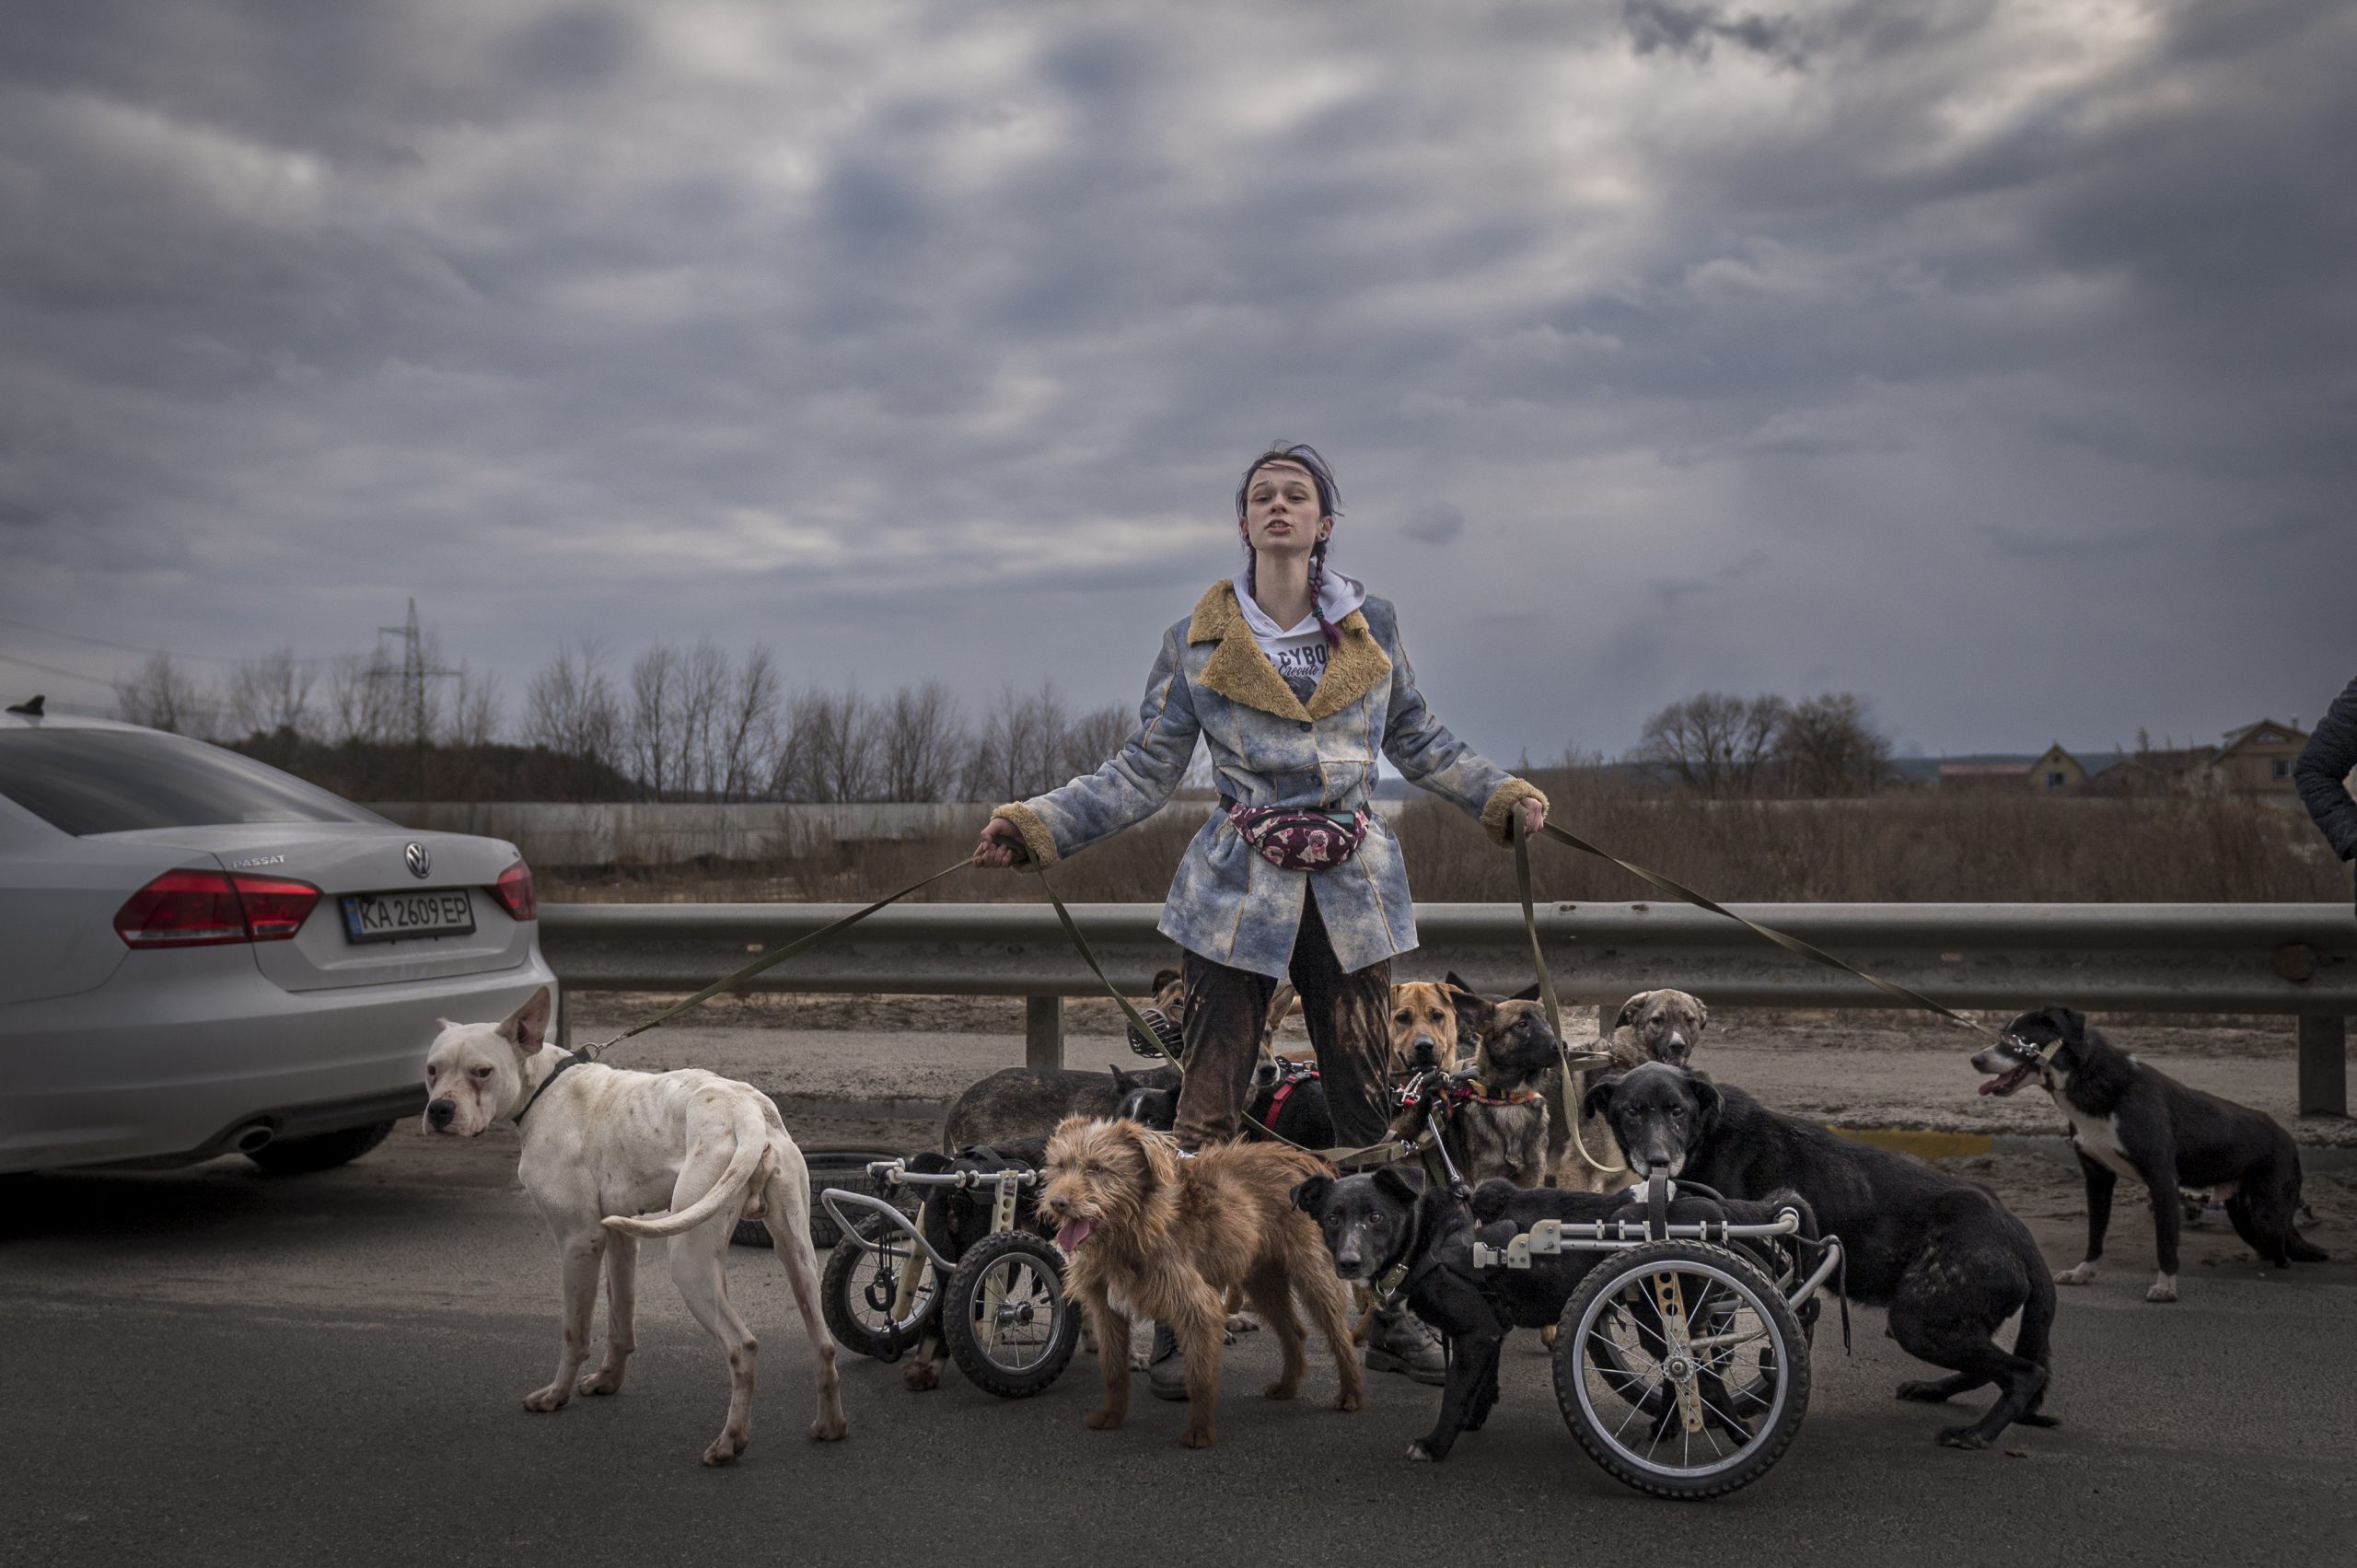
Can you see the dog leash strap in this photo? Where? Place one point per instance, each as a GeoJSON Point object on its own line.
{"type": "Point", "coordinates": [767, 960]}
{"type": "Point", "coordinates": [1574, 1083]}
{"type": "Point", "coordinates": [1782, 939]}
{"type": "Point", "coordinates": [1530, 925]}
{"type": "Point", "coordinates": [1388, 1150]}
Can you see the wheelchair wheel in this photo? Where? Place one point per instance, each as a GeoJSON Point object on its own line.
{"type": "Point", "coordinates": [1681, 1370]}
{"type": "Point", "coordinates": [1006, 1318]}
{"type": "Point", "coordinates": [859, 1287]}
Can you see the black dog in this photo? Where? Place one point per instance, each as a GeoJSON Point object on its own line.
{"type": "Point", "coordinates": [955, 1218]}
{"type": "Point", "coordinates": [1289, 1101]}
{"type": "Point", "coordinates": [1380, 1225]}
{"type": "Point", "coordinates": [2127, 1119]}
{"type": "Point", "coordinates": [1945, 1257]}
{"type": "Point", "coordinates": [1028, 1102]}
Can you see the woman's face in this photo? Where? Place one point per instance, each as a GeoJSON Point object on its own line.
{"type": "Point", "coordinates": [1281, 509]}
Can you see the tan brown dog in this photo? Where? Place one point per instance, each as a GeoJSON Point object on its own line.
{"type": "Point", "coordinates": [1165, 1237]}
{"type": "Point", "coordinates": [1429, 1020]}
{"type": "Point", "coordinates": [1653, 1026]}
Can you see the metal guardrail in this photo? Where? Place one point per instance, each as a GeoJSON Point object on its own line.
{"type": "Point", "coordinates": [2292, 959]}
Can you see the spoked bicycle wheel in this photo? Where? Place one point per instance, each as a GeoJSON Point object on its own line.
{"type": "Point", "coordinates": [857, 1292]}
{"type": "Point", "coordinates": [1006, 1318]}
{"type": "Point", "coordinates": [1680, 1369]}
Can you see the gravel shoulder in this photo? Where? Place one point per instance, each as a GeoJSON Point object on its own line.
{"type": "Point", "coordinates": [1850, 1069]}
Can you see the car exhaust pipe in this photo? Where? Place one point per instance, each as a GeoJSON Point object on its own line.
{"type": "Point", "coordinates": [248, 1138]}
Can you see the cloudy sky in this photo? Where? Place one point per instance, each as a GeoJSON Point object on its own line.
{"type": "Point", "coordinates": [1992, 358]}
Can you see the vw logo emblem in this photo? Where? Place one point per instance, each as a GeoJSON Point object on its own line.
{"type": "Point", "coordinates": [420, 863]}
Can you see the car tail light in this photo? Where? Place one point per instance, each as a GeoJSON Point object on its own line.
{"type": "Point", "coordinates": [514, 891]}
{"type": "Point", "coordinates": [275, 907]}
{"type": "Point", "coordinates": [204, 908]}
{"type": "Point", "coordinates": [182, 908]}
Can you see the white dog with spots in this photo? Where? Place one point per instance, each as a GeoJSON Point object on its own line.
{"type": "Point", "coordinates": [601, 1143]}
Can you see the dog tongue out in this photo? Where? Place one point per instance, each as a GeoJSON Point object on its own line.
{"type": "Point", "coordinates": [1072, 1233]}
{"type": "Point", "coordinates": [2005, 1083]}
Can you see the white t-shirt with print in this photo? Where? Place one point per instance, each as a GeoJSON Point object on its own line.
{"type": "Point", "coordinates": [1299, 652]}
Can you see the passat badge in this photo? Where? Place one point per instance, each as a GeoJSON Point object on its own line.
{"type": "Point", "coordinates": [420, 863]}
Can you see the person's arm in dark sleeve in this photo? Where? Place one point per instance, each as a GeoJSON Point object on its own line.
{"type": "Point", "coordinates": [2331, 753]}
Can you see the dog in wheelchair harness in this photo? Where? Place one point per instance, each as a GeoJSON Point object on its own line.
{"type": "Point", "coordinates": [1288, 1099]}
{"type": "Point", "coordinates": [956, 1218]}
{"type": "Point", "coordinates": [1407, 1238]}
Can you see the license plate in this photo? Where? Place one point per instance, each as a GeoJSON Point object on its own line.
{"type": "Point", "coordinates": [394, 917]}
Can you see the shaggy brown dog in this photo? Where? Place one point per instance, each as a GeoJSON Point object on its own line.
{"type": "Point", "coordinates": [1166, 1237]}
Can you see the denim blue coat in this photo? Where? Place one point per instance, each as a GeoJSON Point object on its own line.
{"type": "Point", "coordinates": [1268, 748]}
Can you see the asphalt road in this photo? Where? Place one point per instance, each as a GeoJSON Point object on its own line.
{"type": "Point", "coordinates": [208, 1368]}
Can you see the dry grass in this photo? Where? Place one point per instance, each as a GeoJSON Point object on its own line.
{"type": "Point", "coordinates": [1910, 848]}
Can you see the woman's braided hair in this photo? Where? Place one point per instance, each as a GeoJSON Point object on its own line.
{"type": "Point", "coordinates": [1301, 454]}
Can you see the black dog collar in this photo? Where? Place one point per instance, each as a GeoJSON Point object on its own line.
{"type": "Point", "coordinates": [554, 1074]}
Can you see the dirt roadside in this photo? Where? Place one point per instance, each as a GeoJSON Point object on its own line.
{"type": "Point", "coordinates": [1850, 1069]}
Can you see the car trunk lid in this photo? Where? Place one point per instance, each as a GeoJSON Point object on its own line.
{"type": "Point", "coordinates": [350, 859]}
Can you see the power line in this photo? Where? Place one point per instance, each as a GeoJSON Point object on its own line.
{"type": "Point", "coordinates": [152, 653]}
{"type": "Point", "coordinates": [52, 670]}
{"type": "Point", "coordinates": [195, 702]}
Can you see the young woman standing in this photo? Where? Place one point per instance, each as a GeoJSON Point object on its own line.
{"type": "Point", "coordinates": [1297, 682]}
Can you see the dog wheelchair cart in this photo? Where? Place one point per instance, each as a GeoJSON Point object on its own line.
{"type": "Point", "coordinates": [1000, 1307]}
{"type": "Point", "coordinates": [1683, 1359]}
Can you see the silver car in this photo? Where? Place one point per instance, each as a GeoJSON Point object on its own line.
{"type": "Point", "coordinates": [199, 954]}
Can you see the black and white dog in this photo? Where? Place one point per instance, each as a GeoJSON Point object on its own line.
{"type": "Point", "coordinates": [1944, 1256]}
{"type": "Point", "coordinates": [2128, 1120]}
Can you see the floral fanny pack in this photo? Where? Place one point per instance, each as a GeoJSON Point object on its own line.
{"type": "Point", "coordinates": [1294, 840]}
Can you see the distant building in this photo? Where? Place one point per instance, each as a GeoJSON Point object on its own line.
{"type": "Point", "coordinates": [2149, 772]}
{"type": "Point", "coordinates": [1976, 776]}
{"type": "Point", "coordinates": [2258, 757]}
{"type": "Point", "coordinates": [2052, 772]}
{"type": "Point", "coordinates": [2056, 771]}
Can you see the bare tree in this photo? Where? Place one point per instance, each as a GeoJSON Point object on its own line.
{"type": "Point", "coordinates": [363, 698]}
{"type": "Point", "coordinates": [1828, 746]}
{"type": "Point", "coordinates": [830, 750]}
{"type": "Point", "coordinates": [270, 694]}
{"type": "Point", "coordinates": [1089, 738]}
{"type": "Point", "coordinates": [163, 696]}
{"type": "Point", "coordinates": [699, 709]}
{"type": "Point", "coordinates": [474, 717]}
{"type": "Point", "coordinates": [1716, 743]}
{"type": "Point", "coordinates": [570, 708]}
{"type": "Point", "coordinates": [747, 735]}
{"type": "Point", "coordinates": [921, 744]}
{"type": "Point", "coordinates": [651, 735]}
{"type": "Point", "coordinates": [1018, 749]}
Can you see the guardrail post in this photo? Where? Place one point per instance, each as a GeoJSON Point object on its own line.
{"type": "Point", "coordinates": [1043, 1031]}
{"type": "Point", "coordinates": [2323, 1065]}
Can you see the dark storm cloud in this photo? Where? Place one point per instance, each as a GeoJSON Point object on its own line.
{"type": "Point", "coordinates": [1435, 523]}
{"type": "Point", "coordinates": [1751, 347]}
{"type": "Point", "coordinates": [1692, 30]}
